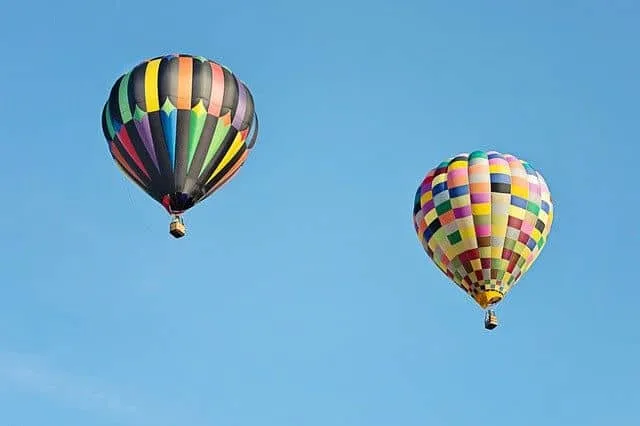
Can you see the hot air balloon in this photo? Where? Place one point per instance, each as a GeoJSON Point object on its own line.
{"type": "Point", "coordinates": [178, 126]}
{"type": "Point", "coordinates": [483, 218]}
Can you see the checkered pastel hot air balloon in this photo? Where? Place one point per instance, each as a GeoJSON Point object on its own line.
{"type": "Point", "coordinates": [178, 126]}
{"type": "Point", "coordinates": [483, 218]}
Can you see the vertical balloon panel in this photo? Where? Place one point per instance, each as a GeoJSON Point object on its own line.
{"type": "Point", "coordinates": [177, 126]}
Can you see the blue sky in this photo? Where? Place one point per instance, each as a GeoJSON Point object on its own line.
{"type": "Point", "coordinates": [301, 296]}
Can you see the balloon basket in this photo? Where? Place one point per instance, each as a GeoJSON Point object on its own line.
{"type": "Point", "coordinates": [177, 228]}
{"type": "Point", "coordinates": [490, 320]}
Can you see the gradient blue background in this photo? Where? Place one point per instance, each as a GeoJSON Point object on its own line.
{"type": "Point", "coordinates": [301, 296]}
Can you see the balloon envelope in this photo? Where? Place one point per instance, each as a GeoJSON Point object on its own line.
{"type": "Point", "coordinates": [483, 219]}
{"type": "Point", "coordinates": [178, 126]}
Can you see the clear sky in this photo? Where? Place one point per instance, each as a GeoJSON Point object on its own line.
{"type": "Point", "coordinates": [301, 295]}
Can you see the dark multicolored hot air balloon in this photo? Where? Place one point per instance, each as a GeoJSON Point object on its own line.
{"type": "Point", "coordinates": [483, 218]}
{"type": "Point", "coordinates": [178, 126]}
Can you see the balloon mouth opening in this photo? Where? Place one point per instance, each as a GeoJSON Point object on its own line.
{"type": "Point", "coordinates": [488, 298]}
{"type": "Point", "coordinates": [177, 203]}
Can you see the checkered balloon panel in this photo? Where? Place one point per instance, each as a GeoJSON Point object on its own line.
{"type": "Point", "coordinates": [483, 218]}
